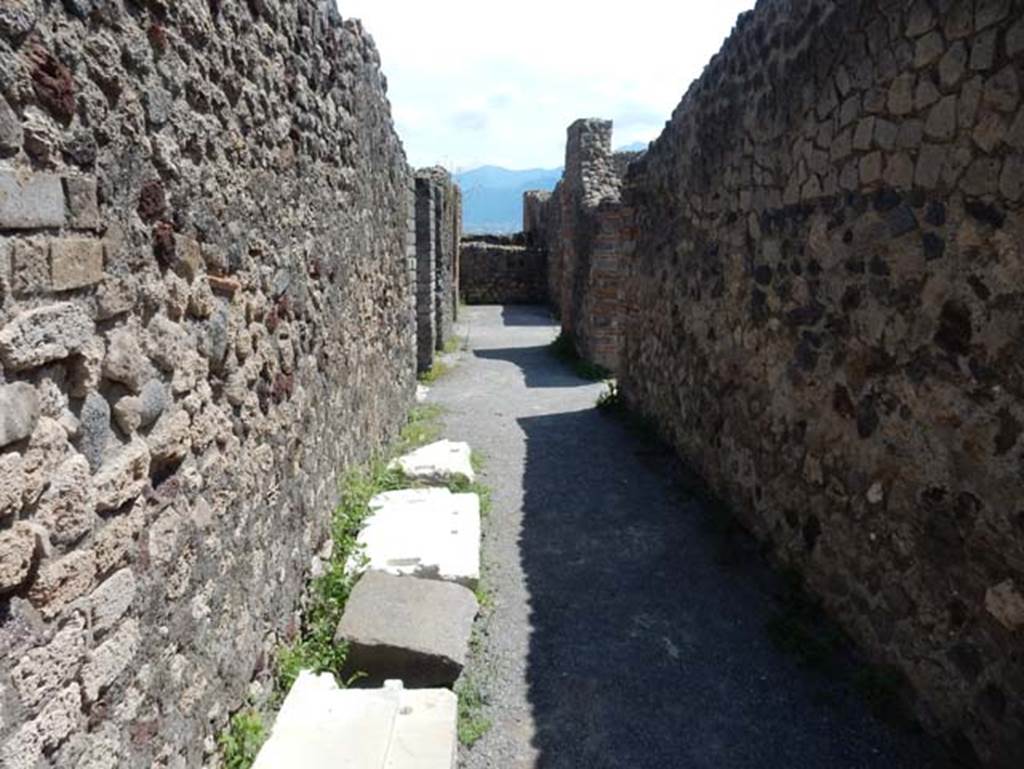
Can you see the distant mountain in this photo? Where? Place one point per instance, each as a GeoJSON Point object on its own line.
{"type": "Point", "coordinates": [634, 147]}
{"type": "Point", "coordinates": [492, 197]}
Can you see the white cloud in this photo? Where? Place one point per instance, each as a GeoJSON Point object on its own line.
{"type": "Point", "coordinates": [475, 83]}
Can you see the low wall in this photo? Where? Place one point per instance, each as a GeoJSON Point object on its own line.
{"type": "Point", "coordinates": [501, 273]}
{"type": "Point", "coordinates": [825, 317]}
{"type": "Point", "coordinates": [206, 315]}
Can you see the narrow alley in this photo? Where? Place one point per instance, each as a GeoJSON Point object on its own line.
{"type": "Point", "coordinates": [620, 637]}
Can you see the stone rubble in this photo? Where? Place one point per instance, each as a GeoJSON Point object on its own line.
{"type": "Point", "coordinates": [438, 462]}
{"type": "Point", "coordinates": [426, 533]}
{"type": "Point", "coordinates": [415, 630]}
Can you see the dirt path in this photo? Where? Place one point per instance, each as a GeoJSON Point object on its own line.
{"type": "Point", "coordinates": [619, 638]}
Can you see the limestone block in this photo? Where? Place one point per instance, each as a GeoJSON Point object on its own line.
{"type": "Point", "coordinates": [111, 600]}
{"type": "Point", "coordinates": [123, 477]}
{"type": "Point", "coordinates": [408, 628]}
{"type": "Point", "coordinates": [116, 541]}
{"type": "Point", "coordinates": [75, 263]}
{"type": "Point", "coordinates": [30, 201]}
{"type": "Point", "coordinates": [61, 716]}
{"type": "Point", "coordinates": [1006, 603]}
{"type": "Point", "coordinates": [323, 727]}
{"type": "Point", "coordinates": [17, 554]}
{"type": "Point", "coordinates": [45, 334]}
{"type": "Point", "coordinates": [188, 258]}
{"type": "Point", "coordinates": [42, 671]}
{"type": "Point", "coordinates": [19, 412]}
{"type": "Point", "coordinates": [30, 273]}
{"type": "Point", "coordinates": [427, 533]}
{"type": "Point", "coordinates": [63, 580]}
{"type": "Point", "coordinates": [24, 750]}
{"type": "Point", "coordinates": [437, 462]}
{"type": "Point", "coordinates": [115, 296]}
{"type": "Point", "coordinates": [66, 508]}
{"type": "Point", "coordinates": [10, 130]}
{"type": "Point", "coordinates": [107, 661]}
{"type": "Point", "coordinates": [127, 413]}
{"type": "Point", "coordinates": [83, 211]}
{"type": "Point", "coordinates": [12, 483]}
{"type": "Point", "coordinates": [125, 362]}
{"type": "Point", "coordinates": [171, 438]}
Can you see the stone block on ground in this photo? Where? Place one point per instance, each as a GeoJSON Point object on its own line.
{"type": "Point", "coordinates": [408, 628]}
{"type": "Point", "coordinates": [323, 727]}
{"type": "Point", "coordinates": [427, 533]}
{"type": "Point", "coordinates": [438, 462]}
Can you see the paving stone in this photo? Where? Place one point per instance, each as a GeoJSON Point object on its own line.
{"type": "Point", "coordinates": [413, 629]}
{"type": "Point", "coordinates": [321, 726]}
{"type": "Point", "coordinates": [438, 462]}
{"type": "Point", "coordinates": [29, 201]}
{"type": "Point", "coordinates": [19, 412]}
{"type": "Point", "coordinates": [427, 533]}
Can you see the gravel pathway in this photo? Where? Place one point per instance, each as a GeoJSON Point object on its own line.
{"type": "Point", "coordinates": [619, 638]}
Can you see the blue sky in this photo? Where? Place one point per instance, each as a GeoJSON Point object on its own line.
{"type": "Point", "coordinates": [484, 83]}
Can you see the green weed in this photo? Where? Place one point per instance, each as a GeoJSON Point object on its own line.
{"type": "Point", "coordinates": [453, 345]}
{"type": "Point", "coordinates": [422, 427]}
{"type": "Point", "coordinates": [241, 741]}
{"type": "Point", "coordinates": [316, 649]}
{"type": "Point", "coordinates": [438, 370]}
{"type": "Point", "coordinates": [472, 723]}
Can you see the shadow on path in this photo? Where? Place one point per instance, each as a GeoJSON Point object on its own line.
{"type": "Point", "coordinates": [535, 364]}
{"type": "Point", "coordinates": [525, 315]}
{"type": "Point", "coordinates": [647, 651]}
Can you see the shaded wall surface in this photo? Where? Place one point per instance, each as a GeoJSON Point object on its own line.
{"type": "Point", "coordinates": [587, 233]}
{"type": "Point", "coordinates": [206, 314]}
{"type": "Point", "coordinates": [826, 315]}
{"type": "Point", "coordinates": [502, 273]}
{"type": "Point", "coordinates": [438, 230]}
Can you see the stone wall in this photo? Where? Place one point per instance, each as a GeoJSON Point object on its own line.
{"type": "Point", "coordinates": [205, 316]}
{"type": "Point", "coordinates": [826, 315]}
{"type": "Point", "coordinates": [438, 233]}
{"type": "Point", "coordinates": [502, 273]}
{"type": "Point", "coordinates": [534, 202]}
{"type": "Point", "coordinates": [818, 274]}
{"type": "Point", "coordinates": [588, 235]}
